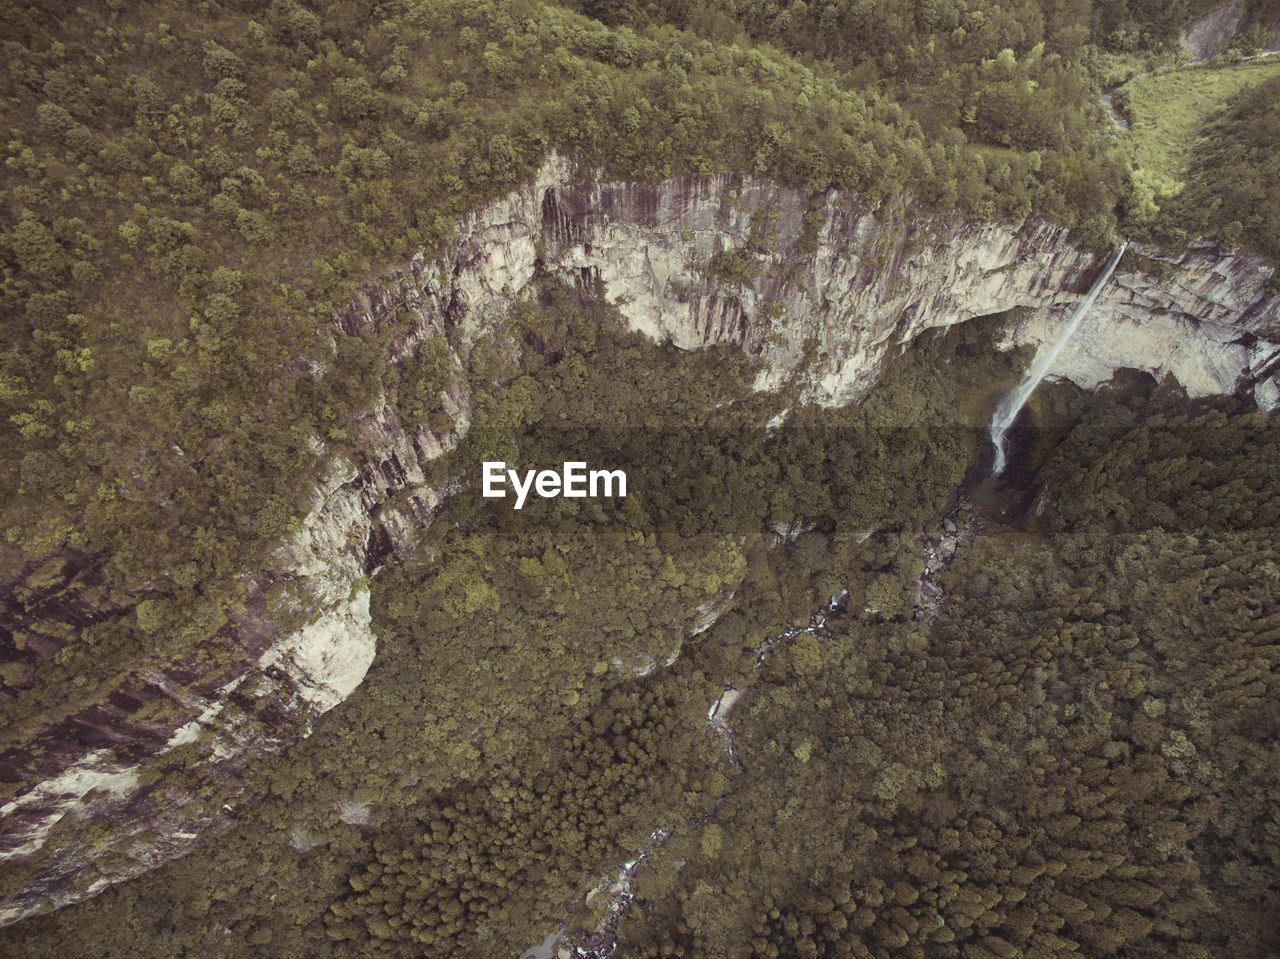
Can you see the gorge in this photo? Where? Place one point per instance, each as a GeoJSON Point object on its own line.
{"type": "Point", "coordinates": [640, 479]}
{"type": "Point", "coordinates": [821, 289]}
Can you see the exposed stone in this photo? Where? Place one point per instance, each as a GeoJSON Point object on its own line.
{"type": "Point", "coordinates": [1210, 34]}
{"type": "Point", "coordinates": [821, 289]}
{"type": "Point", "coordinates": [355, 812]}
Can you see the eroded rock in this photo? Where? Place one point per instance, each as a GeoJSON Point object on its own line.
{"type": "Point", "coordinates": [819, 288]}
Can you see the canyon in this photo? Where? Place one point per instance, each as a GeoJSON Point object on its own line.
{"type": "Point", "coordinates": [820, 288]}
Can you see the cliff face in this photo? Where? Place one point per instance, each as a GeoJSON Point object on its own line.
{"type": "Point", "coordinates": [820, 290]}
{"type": "Point", "coordinates": [754, 264]}
{"type": "Point", "coordinates": [1211, 35]}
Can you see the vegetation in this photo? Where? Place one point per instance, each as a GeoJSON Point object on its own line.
{"type": "Point", "coordinates": [509, 692]}
{"type": "Point", "coordinates": [192, 191]}
{"type": "Point", "coordinates": [1168, 111]}
{"type": "Point", "coordinates": [1233, 186]}
{"type": "Point", "coordinates": [893, 35]}
{"type": "Point", "coordinates": [1075, 757]}
{"type": "Point", "coordinates": [1035, 773]}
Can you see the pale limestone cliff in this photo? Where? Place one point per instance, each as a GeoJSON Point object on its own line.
{"type": "Point", "coordinates": [820, 289]}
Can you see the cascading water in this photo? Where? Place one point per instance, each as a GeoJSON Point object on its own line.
{"type": "Point", "coordinates": [1011, 404]}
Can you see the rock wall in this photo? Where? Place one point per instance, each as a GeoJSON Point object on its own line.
{"type": "Point", "coordinates": [819, 288]}
{"type": "Point", "coordinates": [1211, 34]}
{"type": "Point", "coordinates": [822, 290]}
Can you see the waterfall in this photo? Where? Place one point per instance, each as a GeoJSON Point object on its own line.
{"type": "Point", "coordinates": [1011, 404]}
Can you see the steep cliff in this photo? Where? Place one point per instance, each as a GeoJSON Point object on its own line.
{"type": "Point", "coordinates": [1211, 35]}
{"type": "Point", "coordinates": [820, 288]}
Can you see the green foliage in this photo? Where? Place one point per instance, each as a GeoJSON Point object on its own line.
{"type": "Point", "coordinates": [1026, 776]}
{"type": "Point", "coordinates": [1168, 110]}
{"type": "Point", "coordinates": [538, 704]}
{"type": "Point", "coordinates": [1050, 768]}
{"type": "Point", "coordinates": [193, 191]}
{"type": "Point", "coordinates": [1233, 180]}
{"type": "Point", "coordinates": [306, 147]}
{"type": "Point", "coordinates": [36, 249]}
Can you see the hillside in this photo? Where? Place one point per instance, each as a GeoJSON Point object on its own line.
{"type": "Point", "coordinates": [280, 279]}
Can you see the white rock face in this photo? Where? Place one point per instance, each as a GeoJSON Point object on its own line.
{"type": "Point", "coordinates": [327, 659]}
{"type": "Point", "coordinates": [820, 290]}
{"type": "Point", "coordinates": [1211, 34]}
{"type": "Point", "coordinates": [1206, 348]}
{"type": "Point", "coordinates": [90, 774]}
{"type": "Point", "coordinates": [856, 282]}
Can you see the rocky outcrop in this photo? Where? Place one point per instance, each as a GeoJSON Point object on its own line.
{"type": "Point", "coordinates": [1210, 325]}
{"type": "Point", "coordinates": [820, 288]}
{"type": "Point", "coordinates": [1211, 34]}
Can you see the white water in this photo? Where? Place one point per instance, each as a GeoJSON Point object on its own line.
{"type": "Point", "coordinates": [1011, 404]}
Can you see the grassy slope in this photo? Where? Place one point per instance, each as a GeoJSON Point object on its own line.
{"type": "Point", "coordinates": [1168, 109]}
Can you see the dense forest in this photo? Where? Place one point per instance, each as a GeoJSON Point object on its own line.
{"type": "Point", "coordinates": [883, 31]}
{"type": "Point", "coordinates": [1078, 758]}
{"type": "Point", "coordinates": [1074, 756]}
{"type": "Point", "coordinates": [1073, 752]}
{"type": "Point", "coordinates": [192, 191]}
{"type": "Point", "coordinates": [511, 637]}
{"type": "Point", "coordinates": [1234, 183]}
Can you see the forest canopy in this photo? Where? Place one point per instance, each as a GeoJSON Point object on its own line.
{"type": "Point", "coordinates": [1233, 187]}
{"type": "Point", "coordinates": [1074, 753]}
{"type": "Point", "coordinates": [192, 191]}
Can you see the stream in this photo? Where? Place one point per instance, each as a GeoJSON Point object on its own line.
{"type": "Point", "coordinates": [938, 551]}
{"type": "Point", "coordinates": [601, 942]}
{"type": "Point", "coordinates": [1119, 119]}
